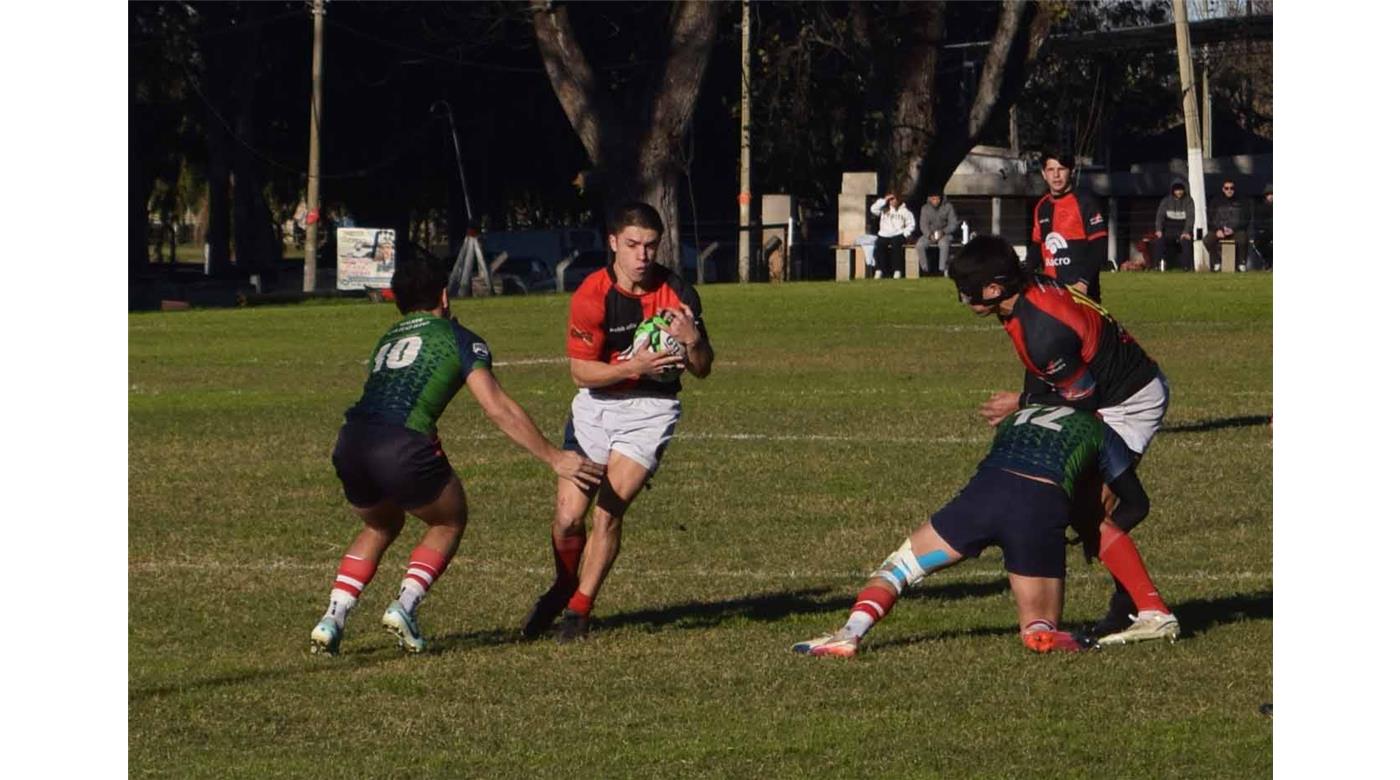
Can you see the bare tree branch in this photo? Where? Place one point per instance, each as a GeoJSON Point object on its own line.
{"type": "Point", "coordinates": [588, 109]}
{"type": "Point", "coordinates": [994, 67]}
{"type": "Point", "coordinates": [692, 38]}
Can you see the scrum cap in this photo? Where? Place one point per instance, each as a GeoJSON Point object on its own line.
{"type": "Point", "coordinates": [986, 260]}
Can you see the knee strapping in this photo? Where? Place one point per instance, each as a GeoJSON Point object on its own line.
{"type": "Point", "coordinates": [903, 568]}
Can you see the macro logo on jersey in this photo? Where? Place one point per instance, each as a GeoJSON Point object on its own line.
{"type": "Point", "coordinates": [1063, 228]}
{"type": "Point", "coordinates": [1058, 443]}
{"type": "Point", "coordinates": [416, 368]}
{"type": "Point", "coordinates": [1056, 251]}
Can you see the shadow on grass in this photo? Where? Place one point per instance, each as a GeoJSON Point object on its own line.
{"type": "Point", "coordinates": [779, 605]}
{"type": "Point", "coordinates": [1197, 617]}
{"type": "Point", "coordinates": [349, 660]}
{"type": "Point", "coordinates": [1200, 615]}
{"type": "Point", "coordinates": [1215, 425]}
{"type": "Point", "coordinates": [877, 644]}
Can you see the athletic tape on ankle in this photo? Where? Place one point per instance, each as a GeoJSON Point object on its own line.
{"type": "Point", "coordinates": [903, 568]}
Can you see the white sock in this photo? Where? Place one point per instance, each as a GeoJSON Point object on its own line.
{"type": "Point", "coordinates": [410, 593]}
{"type": "Point", "coordinates": [858, 623]}
{"type": "Point", "coordinates": [341, 604]}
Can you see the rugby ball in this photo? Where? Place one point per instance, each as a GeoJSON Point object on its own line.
{"type": "Point", "coordinates": [652, 335]}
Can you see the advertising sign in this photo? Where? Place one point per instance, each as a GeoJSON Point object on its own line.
{"type": "Point", "coordinates": [364, 258]}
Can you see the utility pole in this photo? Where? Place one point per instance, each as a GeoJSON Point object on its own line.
{"type": "Point", "coordinates": [1207, 122]}
{"type": "Point", "coordinates": [313, 170]}
{"type": "Point", "coordinates": [1195, 163]}
{"type": "Point", "coordinates": [744, 194]}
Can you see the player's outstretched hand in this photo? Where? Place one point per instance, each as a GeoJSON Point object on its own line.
{"type": "Point", "coordinates": [577, 469]}
{"type": "Point", "coordinates": [1000, 404]}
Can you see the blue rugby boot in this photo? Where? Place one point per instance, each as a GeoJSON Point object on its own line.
{"type": "Point", "coordinates": [402, 625]}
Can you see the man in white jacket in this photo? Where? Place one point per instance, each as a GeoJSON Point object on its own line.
{"type": "Point", "coordinates": [896, 225]}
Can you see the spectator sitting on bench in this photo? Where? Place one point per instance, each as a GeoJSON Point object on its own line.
{"type": "Point", "coordinates": [1176, 224]}
{"type": "Point", "coordinates": [937, 224]}
{"type": "Point", "coordinates": [896, 225]}
{"type": "Point", "coordinates": [1229, 219]}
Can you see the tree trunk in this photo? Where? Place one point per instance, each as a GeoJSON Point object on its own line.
{"type": "Point", "coordinates": [217, 141]}
{"type": "Point", "coordinates": [218, 233]}
{"type": "Point", "coordinates": [948, 137]}
{"type": "Point", "coordinates": [632, 159]}
{"type": "Point", "coordinates": [140, 182]}
{"type": "Point", "coordinates": [912, 123]}
{"type": "Point", "coordinates": [254, 235]}
{"type": "Point", "coordinates": [662, 191]}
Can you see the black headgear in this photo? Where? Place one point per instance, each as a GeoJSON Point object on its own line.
{"type": "Point", "coordinates": [986, 260]}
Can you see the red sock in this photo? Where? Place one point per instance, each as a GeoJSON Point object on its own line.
{"type": "Point", "coordinates": [425, 565]}
{"type": "Point", "coordinates": [568, 550]}
{"type": "Point", "coordinates": [354, 574]}
{"type": "Point", "coordinates": [1120, 557]}
{"type": "Point", "coordinates": [580, 603]}
{"type": "Point", "coordinates": [874, 601]}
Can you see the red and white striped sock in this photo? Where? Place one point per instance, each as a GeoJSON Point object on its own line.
{"type": "Point", "coordinates": [425, 565]}
{"type": "Point", "coordinates": [872, 604]}
{"type": "Point", "coordinates": [351, 579]}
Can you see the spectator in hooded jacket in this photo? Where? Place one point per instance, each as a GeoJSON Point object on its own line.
{"type": "Point", "coordinates": [1229, 218]}
{"type": "Point", "coordinates": [1175, 227]}
{"type": "Point", "coordinates": [896, 225]}
{"type": "Point", "coordinates": [937, 224]}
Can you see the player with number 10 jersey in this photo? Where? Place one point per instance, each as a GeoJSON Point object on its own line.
{"type": "Point", "coordinates": [390, 461]}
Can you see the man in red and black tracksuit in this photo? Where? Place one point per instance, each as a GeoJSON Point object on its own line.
{"type": "Point", "coordinates": [1075, 354]}
{"type": "Point", "coordinates": [1069, 229]}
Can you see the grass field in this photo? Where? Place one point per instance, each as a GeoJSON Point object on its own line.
{"type": "Point", "coordinates": [837, 417]}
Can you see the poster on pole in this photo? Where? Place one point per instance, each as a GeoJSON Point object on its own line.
{"type": "Point", "coordinates": [364, 258]}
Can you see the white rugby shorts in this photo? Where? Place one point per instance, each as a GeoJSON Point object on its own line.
{"type": "Point", "coordinates": [637, 427]}
{"type": "Point", "coordinates": [1139, 417]}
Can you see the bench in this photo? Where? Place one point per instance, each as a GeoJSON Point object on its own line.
{"type": "Point", "coordinates": [850, 261]}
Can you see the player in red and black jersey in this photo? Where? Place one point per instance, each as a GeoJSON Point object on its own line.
{"type": "Point", "coordinates": [1074, 353]}
{"type": "Point", "coordinates": [1069, 229]}
{"type": "Point", "coordinates": [626, 409]}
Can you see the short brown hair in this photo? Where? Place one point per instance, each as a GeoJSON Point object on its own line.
{"type": "Point", "coordinates": [1066, 160]}
{"type": "Point", "coordinates": [635, 214]}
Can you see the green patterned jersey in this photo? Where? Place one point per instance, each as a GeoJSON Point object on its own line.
{"type": "Point", "coordinates": [416, 369]}
{"type": "Point", "coordinates": [1058, 443]}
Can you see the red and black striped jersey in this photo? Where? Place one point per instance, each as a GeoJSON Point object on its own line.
{"type": "Point", "coordinates": [1073, 238]}
{"type": "Point", "coordinates": [1073, 351]}
{"type": "Point", "coordinates": [603, 320]}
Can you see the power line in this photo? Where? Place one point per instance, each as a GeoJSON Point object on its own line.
{"type": "Point", "coordinates": [488, 66]}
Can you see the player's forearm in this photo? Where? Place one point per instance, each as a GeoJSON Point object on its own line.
{"type": "Point", "coordinates": [700, 358]}
{"type": "Point", "coordinates": [517, 425]}
{"type": "Point", "coordinates": [1133, 503]}
{"type": "Point", "coordinates": [589, 374]}
{"type": "Point", "coordinates": [1098, 252]}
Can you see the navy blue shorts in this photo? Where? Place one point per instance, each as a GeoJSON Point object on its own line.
{"type": "Point", "coordinates": [1023, 517]}
{"type": "Point", "coordinates": [377, 462]}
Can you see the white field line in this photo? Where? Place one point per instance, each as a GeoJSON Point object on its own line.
{"type": "Point", "coordinates": [531, 361]}
{"type": "Point", "coordinates": [1208, 324]}
{"type": "Point", "coordinates": [824, 438]}
{"type": "Point", "coordinates": [494, 567]}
